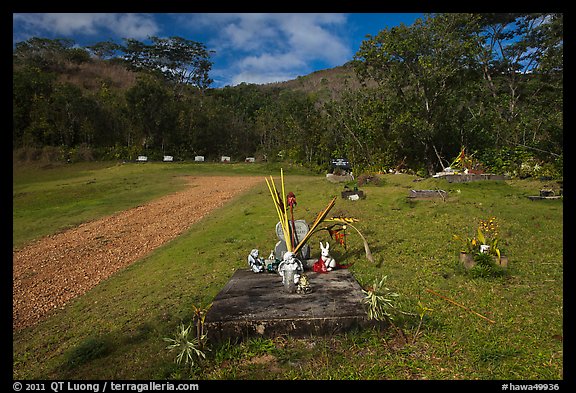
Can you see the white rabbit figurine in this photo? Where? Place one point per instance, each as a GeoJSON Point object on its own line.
{"type": "Point", "coordinates": [329, 262]}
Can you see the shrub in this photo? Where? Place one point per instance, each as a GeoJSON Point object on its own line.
{"type": "Point", "coordinates": [486, 267]}
{"type": "Point", "coordinates": [365, 179]}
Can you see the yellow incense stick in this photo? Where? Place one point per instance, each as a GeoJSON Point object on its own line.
{"type": "Point", "coordinates": [281, 211]}
{"type": "Point", "coordinates": [282, 215]}
{"type": "Point", "coordinates": [286, 223]}
{"type": "Point", "coordinates": [319, 218]}
{"type": "Point", "coordinates": [274, 199]}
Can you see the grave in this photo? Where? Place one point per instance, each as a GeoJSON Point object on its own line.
{"type": "Point", "coordinates": [353, 195]}
{"type": "Point", "coordinates": [341, 165]}
{"type": "Point", "coordinates": [289, 293]}
{"type": "Point", "coordinates": [331, 177]}
{"type": "Point", "coordinates": [468, 177]}
{"type": "Point", "coordinates": [545, 194]}
{"type": "Point", "coordinates": [255, 305]}
{"type": "Point", "coordinates": [340, 171]}
{"type": "Point", "coordinates": [427, 194]}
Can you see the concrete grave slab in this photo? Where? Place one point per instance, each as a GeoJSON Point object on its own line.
{"type": "Point", "coordinates": [256, 305]}
{"type": "Point", "coordinates": [427, 194]}
{"type": "Point", "coordinates": [465, 178]}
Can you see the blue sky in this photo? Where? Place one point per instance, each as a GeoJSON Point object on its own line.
{"type": "Point", "coordinates": [249, 47]}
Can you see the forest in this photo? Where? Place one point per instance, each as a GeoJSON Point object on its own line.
{"type": "Point", "coordinates": [410, 99]}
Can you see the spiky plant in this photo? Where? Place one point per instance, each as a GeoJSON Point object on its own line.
{"type": "Point", "coordinates": [187, 348]}
{"type": "Point", "coordinates": [379, 300]}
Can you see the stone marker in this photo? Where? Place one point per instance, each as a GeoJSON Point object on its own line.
{"type": "Point", "coordinates": [427, 194]}
{"type": "Point", "coordinates": [301, 226]}
{"type": "Point", "coordinates": [465, 178]}
{"type": "Point", "coordinates": [256, 305]}
{"type": "Point", "coordinates": [302, 229]}
{"type": "Point", "coordinates": [353, 195]}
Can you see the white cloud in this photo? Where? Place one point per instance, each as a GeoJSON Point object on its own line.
{"type": "Point", "coordinates": [138, 26]}
{"type": "Point", "coordinates": [267, 61]}
{"type": "Point", "coordinates": [265, 48]}
{"type": "Point", "coordinates": [309, 36]}
{"type": "Point", "coordinates": [250, 47]}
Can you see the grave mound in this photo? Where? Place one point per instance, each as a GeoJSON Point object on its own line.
{"type": "Point", "coordinates": [256, 305]}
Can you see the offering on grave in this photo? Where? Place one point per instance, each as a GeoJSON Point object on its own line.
{"type": "Point", "coordinates": [256, 262]}
{"type": "Point", "coordinates": [290, 269]}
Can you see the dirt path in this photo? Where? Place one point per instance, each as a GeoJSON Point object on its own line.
{"type": "Point", "coordinates": [50, 272]}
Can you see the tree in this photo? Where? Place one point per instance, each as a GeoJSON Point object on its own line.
{"type": "Point", "coordinates": [48, 54]}
{"type": "Point", "coordinates": [422, 67]}
{"type": "Point", "coordinates": [31, 90]}
{"type": "Point", "coordinates": [522, 69]}
{"type": "Point", "coordinates": [149, 104]}
{"type": "Point", "coordinates": [181, 61]}
{"type": "Point", "coordinates": [105, 49]}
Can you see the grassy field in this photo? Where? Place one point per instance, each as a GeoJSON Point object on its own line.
{"type": "Point", "coordinates": [116, 330]}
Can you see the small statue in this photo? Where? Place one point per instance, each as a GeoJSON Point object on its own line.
{"type": "Point", "coordinates": [255, 262]}
{"type": "Point", "coordinates": [325, 263]}
{"type": "Point", "coordinates": [290, 270]}
{"type": "Point", "coordinates": [303, 286]}
{"type": "Point", "coordinates": [272, 266]}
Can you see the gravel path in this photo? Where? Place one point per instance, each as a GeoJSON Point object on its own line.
{"type": "Point", "coordinates": [50, 272]}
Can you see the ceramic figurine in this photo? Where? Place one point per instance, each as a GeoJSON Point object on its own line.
{"type": "Point", "coordinates": [290, 270]}
{"type": "Point", "coordinates": [303, 285]}
{"type": "Point", "coordinates": [255, 262]}
{"type": "Point", "coordinates": [327, 260]}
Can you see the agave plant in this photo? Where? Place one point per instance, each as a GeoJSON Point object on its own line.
{"type": "Point", "coordinates": [187, 348]}
{"type": "Point", "coordinates": [379, 300]}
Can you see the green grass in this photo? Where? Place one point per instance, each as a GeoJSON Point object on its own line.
{"type": "Point", "coordinates": [54, 197]}
{"type": "Point", "coordinates": [116, 330]}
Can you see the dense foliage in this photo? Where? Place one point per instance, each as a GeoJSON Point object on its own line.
{"type": "Point", "coordinates": [490, 82]}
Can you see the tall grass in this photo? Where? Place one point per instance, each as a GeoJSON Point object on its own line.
{"type": "Point", "coordinates": [116, 330]}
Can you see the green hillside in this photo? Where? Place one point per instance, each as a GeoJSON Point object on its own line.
{"type": "Point", "coordinates": [412, 97]}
